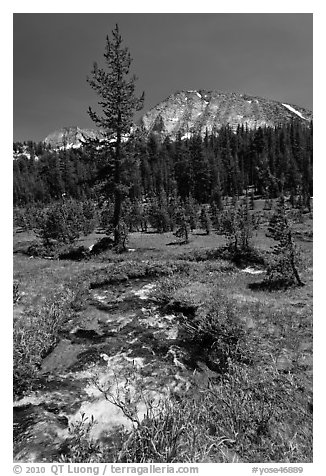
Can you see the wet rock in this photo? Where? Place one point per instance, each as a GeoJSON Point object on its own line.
{"type": "Point", "coordinates": [38, 434]}
{"type": "Point", "coordinates": [88, 334]}
{"type": "Point", "coordinates": [144, 292]}
{"type": "Point", "coordinates": [62, 357]}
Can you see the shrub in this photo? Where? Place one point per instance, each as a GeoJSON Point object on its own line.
{"type": "Point", "coordinates": [210, 324]}
{"type": "Point", "coordinates": [158, 217]}
{"type": "Point", "coordinates": [64, 222]}
{"type": "Point", "coordinates": [246, 415]}
{"type": "Point", "coordinates": [75, 254]}
{"type": "Point", "coordinates": [237, 225]}
{"type": "Point", "coordinates": [133, 215]}
{"type": "Point", "coordinates": [183, 225]}
{"type": "Point", "coordinates": [89, 218]}
{"type": "Point", "coordinates": [285, 261]}
{"type": "Point", "coordinates": [216, 331]}
{"type": "Point", "coordinates": [16, 293]}
{"type": "Point", "coordinates": [159, 437]}
{"type": "Point", "coordinates": [61, 223]}
{"type": "Point", "coordinates": [28, 218]}
{"type": "Point", "coordinates": [34, 335]}
{"type": "Point", "coordinates": [79, 447]}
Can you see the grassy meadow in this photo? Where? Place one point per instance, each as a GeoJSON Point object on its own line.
{"type": "Point", "coordinates": [249, 349]}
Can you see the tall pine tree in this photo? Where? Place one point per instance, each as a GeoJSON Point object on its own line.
{"type": "Point", "coordinates": [116, 89]}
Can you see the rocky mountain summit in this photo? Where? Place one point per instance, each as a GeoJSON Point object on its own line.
{"type": "Point", "coordinates": [188, 112]}
{"type": "Point", "coordinates": [70, 137]}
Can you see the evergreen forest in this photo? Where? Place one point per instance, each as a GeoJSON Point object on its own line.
{"type": "Point", "coordinates": [270, 161]}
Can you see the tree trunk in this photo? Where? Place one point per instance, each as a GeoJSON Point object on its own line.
{"type": "Point", "coordinates": [293, 266]}
{"type": "Point", "coordinates": [117, 191]}
{"type": "Point", "coordinates": [116, 215]}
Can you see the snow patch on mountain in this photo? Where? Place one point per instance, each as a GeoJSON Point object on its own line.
{"type": "Point", "coordinates": [25, 153]}
{"type": "Point", "coordinates": [294, 110]}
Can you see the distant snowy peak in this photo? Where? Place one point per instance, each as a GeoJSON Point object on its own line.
{"type": "Point", "coordinates": [75, 137]}
{"type": "Point", "coordinates": [24, 152]}
{"type": "Point", "coordinates": [194, 111]}
{"type": "Point", "coordinates": [198, 111]}
{"type": "Point", "coordinates": [70, 137]}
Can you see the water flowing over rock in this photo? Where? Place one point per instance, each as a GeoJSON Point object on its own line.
{"type": "Point", "coordinates": [121, 343]}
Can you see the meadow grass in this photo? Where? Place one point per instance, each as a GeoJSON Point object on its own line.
{"type": "Point", "coordinates": [258, 405]}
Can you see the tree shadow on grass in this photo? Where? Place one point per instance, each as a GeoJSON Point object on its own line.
{"type": "Point", "coordinates": [275, 285]}
{"type": "Point", "coordinates": [175, 243]}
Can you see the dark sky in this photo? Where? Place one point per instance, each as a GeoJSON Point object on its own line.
{"type": "Point", "coordinates": [267, 55]}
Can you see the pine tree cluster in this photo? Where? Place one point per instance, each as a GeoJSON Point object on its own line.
{"type": "Point", "coordinates": [271, 161]}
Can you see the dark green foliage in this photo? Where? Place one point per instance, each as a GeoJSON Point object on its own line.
{"type": "Point", "coordinates": [133, 215]}
{"type": "Point", "coordinates": [216, 215]}
{"type": "Point", "coordinates": [217, 332]}
{"type": "Point", "coordinates": [265, 161]}
{"type": "Point", "coordinates": [285, 261]}
{"type": "Point", "coordinates": [183, 225]}
{"type": "Point", "coordinates": [118, 103]}
{"type": "Point", "coordinates": [61, 223]}
{"type": "Point", "coordinates": [191, 211]}
{"type": "Point", "coordinates": [28, 218]}
{"type": "Point", "coordinates": [74, 253]}
{"type": "Point", "coordinates": [105, 215]}
{"type": "Point", "coordinates": [102, 245]}
{"type": "Point", "coordinates": [65, 221]}
{"type": "Point", "coordinates": [90, 217]}
{"type": "Point", "coordinates": [158, 216]}
{"type": "Point", "coordinates": [237, 225]}
{"type": "Point", "coordinates": [205, 220]}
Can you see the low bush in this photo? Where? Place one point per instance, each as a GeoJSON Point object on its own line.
{"type": "Point", "coordinates": [79, 447]}
{"type": "Point", "coordinates": [159, 437]}
{"type": "Point", "coordinates": [16, 293]}
{"type": "Point", "coordinates": [210, 324]}
{"type": "Point", "coordinates": [119, 271]}
{"type": "Point", "coordinates": [75, 253]}
{"type": "Point", "coordinates": [55, 250]}
{"type": "Point", "coordinates": [39, 250]}
{"type": "Point", "coordinates": [35, 333]}
{"type": "Point", "coordinates": [247, 416]}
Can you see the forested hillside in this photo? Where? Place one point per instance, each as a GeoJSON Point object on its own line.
{"type": "Point", "coordinates": [269, 160]}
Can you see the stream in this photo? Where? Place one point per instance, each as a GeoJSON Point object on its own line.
{"type": "Point", "coordinates": [120, 341]}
